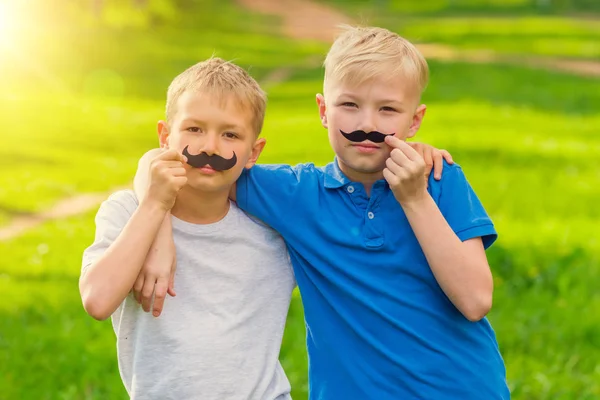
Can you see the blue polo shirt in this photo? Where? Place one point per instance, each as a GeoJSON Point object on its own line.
{"type": "Point", "coordinates": [378, 324]}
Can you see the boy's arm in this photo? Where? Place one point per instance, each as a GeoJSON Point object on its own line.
{"type": "Point", "coordinates": [265, 191]}
{"type": "Point", "coordinates": [459, 264]}
{"type": "Point", "coordinates": [105, 283]}
{"type": "Point", "coordinates": [434, 158]}
{"type": "Point", "coordinates": [108, 276]}
{"type": "Point", "coordinates": [160, 264]}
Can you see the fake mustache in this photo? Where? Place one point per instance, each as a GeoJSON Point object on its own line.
{"type": "Point", "coordinates": [361, 136]}
{"type": "Point", "coordinates": [215, 161]}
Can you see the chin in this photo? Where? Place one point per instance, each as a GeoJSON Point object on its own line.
{"type": "Point", "coordinates": [204, 185]}
{"type": "Point", "coordinates": [367, 168]}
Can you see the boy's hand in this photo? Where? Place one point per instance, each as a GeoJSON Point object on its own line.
{"type": "Point", "coordinates": [157, 276]}
{"type": "Point", "coordinates": [167, 177]}
{"type": "Point", "coordinates": [405, 171]}
{"type": "Point", "coordinates": [433, 158]}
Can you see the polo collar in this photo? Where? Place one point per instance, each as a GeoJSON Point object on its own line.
{"type": "Point", "coordinates": [334, 177]}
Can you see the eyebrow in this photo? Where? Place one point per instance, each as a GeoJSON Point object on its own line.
{"type": "Point", "coordinates": [354, 97]}
{"type": "Point", "coordinates": [224, 126]}
{"type": "Point", "coordinates": [349, 95]}
{"type": "Point", "coordinates": [391, 101]}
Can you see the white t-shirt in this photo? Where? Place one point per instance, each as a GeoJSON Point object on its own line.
{"type": "Point", "coordinates": [220, 337]}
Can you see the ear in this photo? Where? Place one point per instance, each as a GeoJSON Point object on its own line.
{"type": "Point", "coordinates": [417, 120]}
{"type": "Point", "coordinates": [163, 134]}
{"type": "Point", "coordinates": [322, 110]}
{"type": "Point", "coordinates": [257, 148]}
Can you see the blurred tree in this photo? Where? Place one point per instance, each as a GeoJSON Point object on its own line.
{"type": "Point", "coordinates": [98, 5]}
{"type": "Point", "coordinates": [134, 13]}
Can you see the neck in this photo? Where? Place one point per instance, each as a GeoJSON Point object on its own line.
{"type": "Point", "coordinates": [199, 207]}
{"type": "Point", "coordinates": [367, 179]}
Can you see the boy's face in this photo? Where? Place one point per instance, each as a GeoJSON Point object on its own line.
{"type": "Point", "coordinates": [205, 126]}
{"type": "Point", "coordinates": [388, 106]}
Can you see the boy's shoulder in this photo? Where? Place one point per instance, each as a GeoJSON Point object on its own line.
{"type": "Point", "coordinates": [301, 168]}
{"type": "Point", "coordinates": [124, 200]}
{"type": "Point", "coordinates": [285, 173]}
{"type": "Point", "coordinates": [452, 174]}
{"type": "Point", "coordinates": [123, 196]}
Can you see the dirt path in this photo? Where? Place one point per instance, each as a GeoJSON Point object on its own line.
{"type": "Point", "coordinates": [306, 19]}
{"type": "Point", "coordinates": [302, 19]}
{"type": "Point", "coordinates": [575, 67]}
{"type": "Point", "coordinates": [63, 209]}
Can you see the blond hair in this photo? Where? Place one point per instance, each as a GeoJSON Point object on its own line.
{"type": "Point", "coordinates": [223, 80]}
{"type": "Point", "coordinates": [363, 53]}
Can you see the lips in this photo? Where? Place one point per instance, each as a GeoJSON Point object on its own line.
{"type": "Point", "coordinates": [366, 147]}
{"type": "Point", "coordinates": [207, 169]}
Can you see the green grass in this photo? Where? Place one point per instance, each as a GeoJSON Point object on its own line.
{"type": "Point", "coordinates": [526, 139]}
{"type": "Point", "coordinates": [65, 354]}
{"type": "Point", "coordinates": [466, 7]}
{"type": "Point", "coordinates": [516, 36]}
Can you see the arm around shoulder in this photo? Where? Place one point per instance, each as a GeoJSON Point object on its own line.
{"type": "Point", "coordinates": [269, 191]}
{"type": "Point", "coordinates": [113, 261]}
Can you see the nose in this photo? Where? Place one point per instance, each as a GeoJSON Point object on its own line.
{"type": "Point", "coordinates": [210, 145]}
{"type": "Point", "coordinates": [367, 121]}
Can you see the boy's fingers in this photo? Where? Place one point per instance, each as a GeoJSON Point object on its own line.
{"type": "Point", "coordinates": [399, 157]}
{"type": "Point", "coordinates": [171, 164]}
{"type": "Point", "coordinates": [171, 289]}
{"type": "Point", "coordinates": [172, 155]}
{"type": "Point", "coordinates": [429, 162]}
{"type": "Point", "coordinates": [407, 149]}
{"type": "Point", "coordinates": [401, 145]}
{"type": "Point", "coordinates": [159, 296]}
{"type": "Point", "coordinates": [147, 292]}
{"type": "Point", "coordinates": [438, 165]}
{"type": "Point", "coordinates": [137, 288]}
{"type": "Point", "coordinates": [392, 141]}
{"type": "Point", "coordinates": [179, 171]}
{"type": "Point", "coordinates": [393, 167]}
{"type": "Point", "coordinates": [389, 176]}
{"type": "Point", "coordinates": [447, 156]}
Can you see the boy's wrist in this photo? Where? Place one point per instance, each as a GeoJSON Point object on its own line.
{"type": "Point", "coordinates": [417, 203]}
{"type": "Point", "coordinates": [153, 207]}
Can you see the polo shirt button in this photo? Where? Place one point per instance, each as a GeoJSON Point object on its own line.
{"type": "Point", "coordinates": [350, 189]}
{"type": "Point", "coordinates": [370, 215]}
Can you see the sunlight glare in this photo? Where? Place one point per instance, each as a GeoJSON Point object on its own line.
{"type": "Point", "coordinates": [7, 24]}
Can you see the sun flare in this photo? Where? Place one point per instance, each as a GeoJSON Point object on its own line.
{"type": "Point", "coordinates": [7, 24]}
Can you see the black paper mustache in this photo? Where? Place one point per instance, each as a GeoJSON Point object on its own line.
{"type": "Point", "coordinates": [215, 161]}
{"type": "Point", "coordinates": [361, 136]}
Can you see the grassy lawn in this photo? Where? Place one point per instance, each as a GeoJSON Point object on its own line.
{"type": "Point", "coordinates": [516, 36]}
{"type": "Point", "coordinates": [526, 139]}
{"type": "Point", "coordinates": [510, 28]}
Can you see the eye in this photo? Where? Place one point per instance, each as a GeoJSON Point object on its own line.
{"type": "Point", "coordinates": [349, 104]}
{"type": "Point", "coordinates": [231, 135]}
{"type": "Point", "coordinates": [193, 129]}
{"type": "Point", "coordinates": [390, 109]}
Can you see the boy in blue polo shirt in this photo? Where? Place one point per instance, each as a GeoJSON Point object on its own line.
{"type": "Point", "coordinates": [392, 269]}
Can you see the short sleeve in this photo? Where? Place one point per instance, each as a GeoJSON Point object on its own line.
{"type": "Point", "coordinates": [270, 192]}
{"type": "Point", "coordinates": [462, 208]}
{"type": "Point", "coordinates": [111, 218]}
